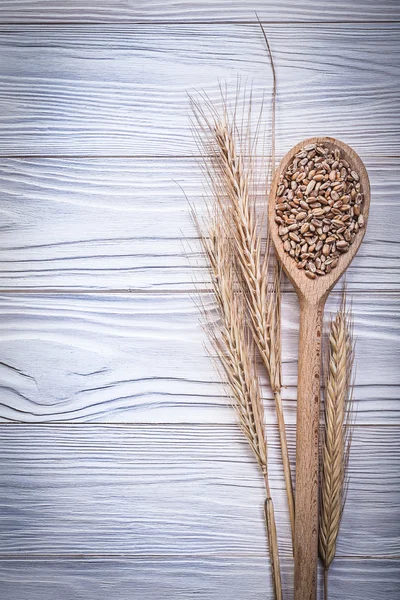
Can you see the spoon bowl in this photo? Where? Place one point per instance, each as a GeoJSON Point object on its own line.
{"type": "Point", "coordinates": [312, 294]}
{"type": "Point", "coordinates": [320, 287]}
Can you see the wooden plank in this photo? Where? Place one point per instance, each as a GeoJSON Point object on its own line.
{"type": "Point", "coordinates": [143, 11]}
{"type": "Point", "coordinates": [207, 578]}
{"type": "Point", "coordinates": [118, 223]}
{"type": "Point", "coordinates": [141, 358]}
{"type": "Point", "coordinates": [79, 90]}
{"type": "Point", "coordinates": [174, 490]}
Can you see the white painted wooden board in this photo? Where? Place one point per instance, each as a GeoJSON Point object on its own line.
{"type": "Point", "coordinates": [153, 11]}
{"type": "Point", "coordinates": [208, 578]}
{"type": "Point", "coordinates": [118, 224]}
{"type": "Point", "coordinates": [174, 490]}
{"type": "Point", "coordinates": [120, 90]}
{"type": "Point", "coordinates": [141, 358]}
{"type": "Point", "coordinates": [96, 323]}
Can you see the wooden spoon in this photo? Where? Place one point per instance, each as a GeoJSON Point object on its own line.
{"type": "Point", "coordinates": [312, 296]}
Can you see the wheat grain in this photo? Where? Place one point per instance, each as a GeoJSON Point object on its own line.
{"type": "Point", "coordinates": [337, 434]}
{"type": "Point", "coordinates": [318, 209]}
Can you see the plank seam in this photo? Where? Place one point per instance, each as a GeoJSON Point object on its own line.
{"type": "Point", "coordinates": [143, 292]}
{"type": "Point", "coordinates": [134, 557]}
{"type": "Point", "coordinates": [145, 156]}
{"type": "Point", "coordinates": [152, 23]}
{"type": "Point", "coordinates": [162, 425]}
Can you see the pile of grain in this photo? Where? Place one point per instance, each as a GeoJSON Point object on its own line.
{"type": "Point", "coordinates": [318, 209]}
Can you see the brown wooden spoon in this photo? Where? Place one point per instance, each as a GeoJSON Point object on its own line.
{"type": "Point", "coordinates": [312, 296]}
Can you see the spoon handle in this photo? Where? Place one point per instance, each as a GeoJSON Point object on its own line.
{"type": "Point", "coordinates": [307, 450]}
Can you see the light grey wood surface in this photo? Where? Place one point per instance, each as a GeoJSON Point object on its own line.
{"type": "Point", "coordinates": [118, 224]}
{"type": "Point", "coordinates": [145, 11]}
{"type": "Point", "coordinates": [181, 578]}
{"type": "Point", "coordinates": [175, 490]}
{"type": "Point", "coordinates": [141, 358]}
{"type": "Point", "coordinates": [101, 90]}
{"type": "Point", "coordinates": [123, 474]}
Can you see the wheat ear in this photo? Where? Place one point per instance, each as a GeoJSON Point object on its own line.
{"type": "Point", "coordinates": [235, 353]}
{"type": "Point", "coordinates": [232, 182]}
{"type": "Point", "coordinates": [263, 297]}
{"type": "Point", "coordinates": [337, 435]}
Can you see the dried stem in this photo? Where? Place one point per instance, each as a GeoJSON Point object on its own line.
{"type": "Point", "coordinates": [234, 349]}
{"type": "Point", "coordinates": [337, 434]}
{"type": "Point", "coordinates": [273, 97]}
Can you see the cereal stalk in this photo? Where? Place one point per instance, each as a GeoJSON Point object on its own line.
{"type": "Point", "coordinates": [228, 149]}
{"type": "Point", "coordinates": [263, 298]}
{"type": "Point", "coordinates": [337, 435]}
{"type": "Point", "coordinates": [234, 348]}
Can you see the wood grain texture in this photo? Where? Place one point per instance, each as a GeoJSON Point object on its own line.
{"type": "Point", "coordinates": [144, 11]}
{"type": "Point", "coordinates": [141, 358]}
{"type": "Point", "coordinates": [174, 490]}
{"type": "Point", "coordinates": [98, 90]}
{"type": "Point", "coordinates": [305, 545]}
{"type": "Point", "coordinates": [170, 511]}
{"type": "Point", "coordinates": [181, 578]}
{"type": "Point", "coordinates": [103, 224]}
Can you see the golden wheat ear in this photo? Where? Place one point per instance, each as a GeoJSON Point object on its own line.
{"type": "Point", "coordinates": [226, 145]}
{"type": "Point", "coordinates": [234, 353]}
{"type": "Point", "coordinates": [249, 305]}
{"type": "Point", "coordinates": [337, 432]}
